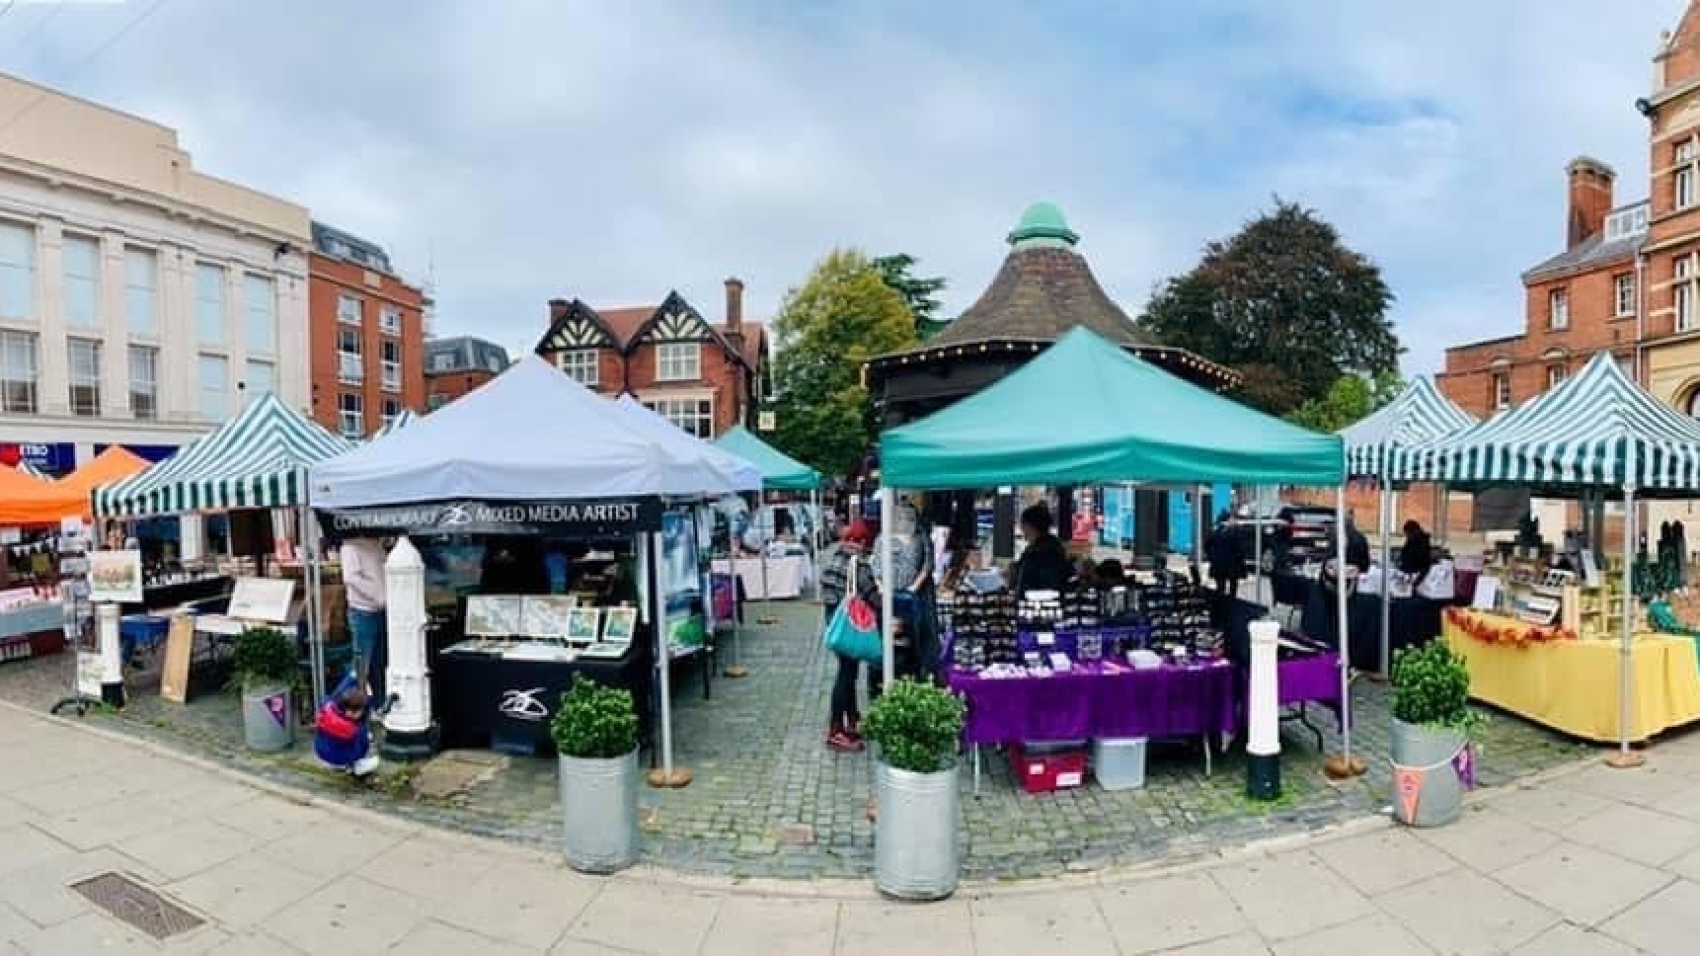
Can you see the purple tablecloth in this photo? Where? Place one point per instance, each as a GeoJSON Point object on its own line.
{"type": "Point", "coordinates": [1310, 680]}
{"type": "Point", "coordinates": [1164, 702]}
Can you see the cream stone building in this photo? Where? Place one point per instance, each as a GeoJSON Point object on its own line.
{"type": "Point", "coordinates": [141, 302]}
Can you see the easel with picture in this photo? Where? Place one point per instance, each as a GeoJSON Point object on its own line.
{"type": "Point", "coordinates": [197, 644]}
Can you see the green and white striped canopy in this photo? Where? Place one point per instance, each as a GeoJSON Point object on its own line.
{"type": "Point", "coordinates": [402, 419]}
{"type": "Point", "coordinates": [258, 459]}
{"type": "Point", "coordinates": [1596, 430]}
{"type": "Point", "coordinates": [1419, 414]}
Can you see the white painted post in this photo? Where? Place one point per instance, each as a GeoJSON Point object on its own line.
{"type": "Point", "coordinates": [111, 654]}
{"type": "Point", "coordinates": [1263, 745]}
{"type": "Point", "coordinates": [410, 731]}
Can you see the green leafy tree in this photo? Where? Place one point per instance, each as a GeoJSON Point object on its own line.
{"type": "Point", "coordinates": [921, 295]}
{"type": "Point", "coordinates": [1286, 304]}
{"type": "Point", "coordinates": [827, 329]}
{"type": "Point", "coordinates": [1350, 399]}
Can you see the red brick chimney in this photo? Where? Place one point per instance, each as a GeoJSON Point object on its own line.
{"type": "Point", "coordinates": [557, 310]}
{"type": "Point", "coordinates": [1590, 198]}
{"type": "Point", "coordinates": [735, 306]}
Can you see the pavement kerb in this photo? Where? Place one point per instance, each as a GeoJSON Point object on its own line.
{"type": "Point", "coordinates": [844, 890]}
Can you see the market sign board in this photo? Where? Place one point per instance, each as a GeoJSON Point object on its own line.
{"type": "Point", "coordinates": [470, 516]}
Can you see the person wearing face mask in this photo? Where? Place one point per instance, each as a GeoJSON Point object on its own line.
{"type": "Point", "coordinates": [1044, 564]}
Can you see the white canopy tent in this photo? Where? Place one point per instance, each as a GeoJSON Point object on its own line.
{"type": "Point", "coordinates": [532, 435]}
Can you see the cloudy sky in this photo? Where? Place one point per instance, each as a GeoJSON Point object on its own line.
{"type": "Point", "coordinates": [614, 150]}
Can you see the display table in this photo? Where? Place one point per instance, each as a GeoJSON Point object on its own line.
{"type": "Point", "coordinates": [770, 579]}
{"type": "Point", "coordinates": [1411, 621]}
{"type": "Point", "coordinates": [485, 700]}
{"type": "Point", "coordinates": [1168, 701]}
{"type": "Point", "coordinates": [1572, 685]}
{"type": "Point", "coordinates": [31, 628]}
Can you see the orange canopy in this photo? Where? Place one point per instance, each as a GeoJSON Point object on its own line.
{"type": "Point", "coordinates": [45, 502]}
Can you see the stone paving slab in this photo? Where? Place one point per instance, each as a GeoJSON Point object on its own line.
{"type": "Point", "coordinates": [329, 878]}
{"type": "Point", "coordinates": [770, 801]}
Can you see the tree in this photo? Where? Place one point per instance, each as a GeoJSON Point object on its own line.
{"type": "Point", "coordinates": [1350, 399]}
{"type": "Point", "coordinates": [921, 295]}
{"type": "Point", "coordinates": [826, 330]}
{"type": "Point", "coordinates": [1284, 303]}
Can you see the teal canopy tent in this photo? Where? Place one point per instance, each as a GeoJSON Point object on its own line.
{"type": "Point", "coordinates": [779, 471]}
{"type": "Point", "coordinates": [1086, 411]}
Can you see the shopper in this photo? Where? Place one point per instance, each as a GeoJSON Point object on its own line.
{"type": "Point", "coordinates": [1417, 554]}
{"type": "Point", "coordinates": [1044, 564]}
{"type": "Point", "coordinates": [1226, 556]}
{"type": "Point", "coordinates": [844, 726]}
{"type": "Point", "coordinates": [912, 578]}
{"type": "Point", "coordinates": [363, 582]}
{"type": "Point", "coordinates": [341, 736]}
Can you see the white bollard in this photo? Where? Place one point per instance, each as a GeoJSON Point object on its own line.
{"type": "Point", "coordinates": [410, 734]}
{"type": "Point", "coordinates": [111, 654]}
{"type": "Point", "coordinates": [1263, 743]}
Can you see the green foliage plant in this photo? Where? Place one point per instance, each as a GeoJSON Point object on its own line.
{"type": "Point", "coordinates": [594, 722]}
{"type": "Point", "coordinates": [916, 726]}
{"type": "Point", "coordinates": [264, 656]}
{"type": "Point", "coordinates": [1431, 688]}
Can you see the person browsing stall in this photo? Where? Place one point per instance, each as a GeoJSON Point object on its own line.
{"type": "Point", "coordinates": [844, 728]}
{"type": "Point", "coordinates": [1044, 564]}
{"type": "Point", "coordinates": [1417, 555]}
{"type": "Point", "coordinates": [363, 581]}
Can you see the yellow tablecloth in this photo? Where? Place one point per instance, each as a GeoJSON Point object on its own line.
{"type": "Point", "coordinates": [1572, 686]}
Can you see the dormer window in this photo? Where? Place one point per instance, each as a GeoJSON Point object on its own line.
{"type": "Point", "coordinates": [1558, 309]}
{"type": "Point", "coordinates": [1626, 222]}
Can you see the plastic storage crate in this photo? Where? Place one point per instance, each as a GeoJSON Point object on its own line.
{"type": "Point", "coordinates": [1118, 763]}
{"type": "Point", "coordinates": [1048, 766]}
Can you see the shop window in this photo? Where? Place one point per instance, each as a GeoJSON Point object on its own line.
{"type": "Point", "coordinates": [82, 281]}
{"type": "Point", "coordinates": [1558, 309]}
{"type": "Point", "coordinates": [209, 304]}
{"type": "Point", "coordinates": [349, 365]}
{"type": "Point", "coordinates": [17, 372]}
{"type": "Point", "coordinates": [144, 381]}
{"type": "Point", "coordinates": [694, 416]}
{"type": "Point", "coordinates": [351, 415]}
{"type": "Point", "coordinates": [85, 377]}
{"type": "Point", "coordinates": [581, 365]}
{"type": "Point", "coordinates": [213, 374]}
{"type": "Point", "coordinates": [678, 361]}
{"type": "Point", "coordinates": [141, 291]}
{"type": "Point", "coordinates": [389, 351]}
{"type": "Point", "coordinates": [17, 271]}
{"type": "Point", "coordinates": [1624, 288]}
{"type": "Point", "coordinates": [261, 377]}
{"type": "Point", "coordinates": [260, 312]}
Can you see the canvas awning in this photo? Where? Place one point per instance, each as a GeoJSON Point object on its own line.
{"type": "Point", "coordinates": [1597, 430]}
{"type": "Point", "coordinates": [69, 496]}
{"type": "Point", "coordinates": [402, 419]}
{"type": "Point", "coordinates": [779, 471]}
{"type": "Point", "coordinates": [1085, 411]}
{"type": "Point", "coordinates": [740, 474]}
{"type": "Point", "coordinates": [256, 460]}
{"type": "Point", "coordinates": [1419, 414]}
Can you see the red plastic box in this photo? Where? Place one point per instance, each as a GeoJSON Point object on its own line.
{"type": "Point", "coordinates": [1050, 770]}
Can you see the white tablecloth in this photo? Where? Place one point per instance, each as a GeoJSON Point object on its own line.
{"type": "Point", "coordinates": [781, 578]}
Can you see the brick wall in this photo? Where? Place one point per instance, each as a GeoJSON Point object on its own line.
{"type": "Point", "coordinates": [329, 279]}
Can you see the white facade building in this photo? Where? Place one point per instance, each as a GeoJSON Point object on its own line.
{"type": "Point", "coordinates": [141, 302]}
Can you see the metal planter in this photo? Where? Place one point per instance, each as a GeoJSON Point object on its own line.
{"type": "Point", "coordinates": [268, 718]}
{"type": "Point", "coordinates": [916, 853]}
{"type": "Point", "coordinates": [599, 812]}
{"type": "Point", "coordinates": [1440, 797]}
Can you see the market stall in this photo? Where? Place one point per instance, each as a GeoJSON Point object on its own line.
{"type": "Point", "coordinates": [49, 502]}
{"type": "Point", "coordinates": [1418, 414]}
{"type": "Point", "coordinates": [1596, 435]}
{"type": "Point", "coordinates": [531, 460]}
{"type": "Point", "coordinates": [1054, 422]}
{"type": "Point", "coordinates": [780, 473]}
{"type": "Point", "coordinates": [255, 461]}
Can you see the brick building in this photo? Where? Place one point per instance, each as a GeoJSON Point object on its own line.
{"type": "Point", "coordinates": [366, 335]}
{"type": "Point", "coordinates": [455, 366]}
{"type": "Point", "coordinates": [1580, 301]}
{"type": "Point", "coordinates": [702, 376]}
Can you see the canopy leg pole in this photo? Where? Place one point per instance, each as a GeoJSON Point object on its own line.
{"type": "Point", "coordinates": [1386, 522]}
{"type": "Point", "coordinates": [1345, 765]}
{"type": "Point", "coordinates": [888, 626]}
{"type": "Point", "coordinates": [816, 519]}
{"type": "Point", "coordinates": [1624, 758]}
{"type": "Point", "coordinates": [1257, 541]}
{"type": "Point", "coordinates": [310, 580]}
{"type": "Point", "coordinates": [666, 776]}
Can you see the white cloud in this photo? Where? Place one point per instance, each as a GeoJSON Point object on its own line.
{"type": "Point", "coordinates": [614, 151]}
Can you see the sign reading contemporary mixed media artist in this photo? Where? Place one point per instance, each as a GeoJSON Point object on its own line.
{"type": "Point", "coordinates": [471, 516]}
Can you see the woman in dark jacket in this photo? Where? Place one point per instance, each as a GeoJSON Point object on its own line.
{"type": "Point", "coordinates": [1226, 557]}
{"type": "Point", "coordinates": [1044, 566]}
{"type": "Point", "coordinates": [1417, 555]}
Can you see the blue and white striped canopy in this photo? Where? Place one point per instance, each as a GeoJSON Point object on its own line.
{"type": "Point", "coordinates": [1419, 414]}
{"type": "Point", "coordinates": [258, 459]}
{"type": "Point", "coordinates": [1596, 430]}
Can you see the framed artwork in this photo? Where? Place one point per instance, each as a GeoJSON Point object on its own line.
{"type": "Point", "coordinates": [619, 624]}
{"type": "Point", "coordinates": [115, 576]}
{"type": "Point", "coordinates": [583, 624]}
{"type": "Point", "coordinates": [547, 615]}
{"type": "Point", "coordinates": [494, 615]}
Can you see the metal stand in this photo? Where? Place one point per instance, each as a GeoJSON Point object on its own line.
{"type": "Point", "coordinates": [1345, 765]}
{"type": "Point", "coordinates": [1624, 758]}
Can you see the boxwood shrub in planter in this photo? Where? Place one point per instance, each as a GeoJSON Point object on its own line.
{"type": "Point", "coordinates": [1433, 724]}
{"type": "Point", "coordinates": [266, 670]}
{"type": "Point", "coordinates": [596, 736]}
{"type": "Point", "coordinates": [916, 730]}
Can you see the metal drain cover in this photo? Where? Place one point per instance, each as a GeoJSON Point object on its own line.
{"type": "Point", "coordinates": [143, 908]}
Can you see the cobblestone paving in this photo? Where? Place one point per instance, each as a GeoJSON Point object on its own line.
{"type": "Point", "coordinates": [769, 800]}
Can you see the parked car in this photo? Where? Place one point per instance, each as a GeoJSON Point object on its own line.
{"type": "Point", "coordinates": [1312, 537]}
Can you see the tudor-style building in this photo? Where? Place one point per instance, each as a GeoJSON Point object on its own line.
{"type": "Point", "coordinates": [703, 377]}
